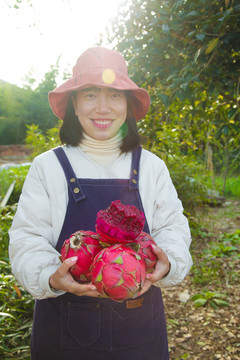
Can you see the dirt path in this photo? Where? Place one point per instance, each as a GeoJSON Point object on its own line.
{"type": "Point", "coordinates": [204, 332]}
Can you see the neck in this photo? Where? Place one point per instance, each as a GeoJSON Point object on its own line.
{"type": "Point", "coordinates": [103, 152]}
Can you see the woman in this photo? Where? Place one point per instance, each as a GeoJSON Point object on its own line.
{"type": "Point", "coordinates": [101, 161]}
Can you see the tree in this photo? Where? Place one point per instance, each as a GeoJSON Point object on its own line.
{"type": "Point", "coordinates": [11, 107]}
{"type": "Point", "coordinates": [25, 106]}
{"type": "Point", "coordinates": [37, 109]}
{"type": "Point", "coordinates": [187, 54]}
{"type": "Point", "coordinates": [182, 42]}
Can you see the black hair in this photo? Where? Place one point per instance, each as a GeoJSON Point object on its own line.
{"type": "Point", "coordinates": [71, 131]}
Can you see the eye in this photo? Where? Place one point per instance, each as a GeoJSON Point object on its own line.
{"type": "Point", "coordinates": [90, 95]}
{"type": "Point", "coordinates": [116, 94]}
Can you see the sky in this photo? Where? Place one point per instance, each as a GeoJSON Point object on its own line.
{"type": "Point", "coordinates": [33, 37]}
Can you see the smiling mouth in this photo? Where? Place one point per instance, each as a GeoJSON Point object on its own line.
{"type": "Point", "coordinates": [102, 123]}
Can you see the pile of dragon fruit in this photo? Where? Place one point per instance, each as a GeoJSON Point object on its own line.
{"type": "Point", "coordinates": [117, 256]}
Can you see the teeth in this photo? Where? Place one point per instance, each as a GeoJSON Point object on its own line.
{"type": "Point", "coordinates": [104, 122]}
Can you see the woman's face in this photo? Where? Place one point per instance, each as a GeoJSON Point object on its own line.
{"type": "Point", "coordinates": [101, 111]}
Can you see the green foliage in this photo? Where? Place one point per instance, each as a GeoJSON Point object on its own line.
{"type": "Point", "coordinates": [16, 305]}
{"type": "Point", "coordinates": [195, 226]}
{"type": "Point", "coordinates": [37, 109]}
{"type": "Point", "coordinates": [186, 54]}
{"type": "Point", "coordinates": [37, 142]}
{"type": "Point", "coordinates": [231, 188]}
{"type": "Point", "coordinates": [228, 245]}
{"type": "Point", "coordinates": [191, 188]}
{"type": "Point", "coordinates": [233, 238]}
{"type": "Point", "coordinates": [184, 170]}
{"type": "Point", "coordinates": [220, 250]}
{"type": "Point", "coordinates": [212, 266]}
{"type": "Point", "coordinates": [16, 309]}
{"type": "Point", "coordinates": [180, 43]}
{"type": "Point", "coordinates": [17, 4]}
{"type": "Point", "coordinates": [6, 217]}
{"type": "Point", "coordinates": [217, 264]}
{"type": "Point", "coordinates": [208, 297]}
{"type": "Point", "coordinates": [185, 356]}
{"type": "Point", "coordinates": [11, 110]}
{"type": "Point", "coordinates": [7, 176]}
{"type": "Point", "coordinates": [24, 106]}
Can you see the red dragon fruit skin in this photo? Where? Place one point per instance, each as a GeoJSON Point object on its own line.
{"type": "Point", "coordinates": [145, 241]}
{"type": "Point", "coordinates": [119, 223]}
{"type": "Point", "coordinates": [107, 240]}
{"type": "Point", "coordinates": [85, 245]}
{"type": "Point", "coordinates": [118, 272]}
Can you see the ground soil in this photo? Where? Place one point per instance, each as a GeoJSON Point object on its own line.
{"type": "Point", "coordinates": [204, 332]}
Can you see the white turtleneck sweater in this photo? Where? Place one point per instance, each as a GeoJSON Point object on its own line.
{"type": "Point", "coordinates": [103, 152]}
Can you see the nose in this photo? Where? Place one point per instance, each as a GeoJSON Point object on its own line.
{"type": "Point", "coordinates": [103, 104]}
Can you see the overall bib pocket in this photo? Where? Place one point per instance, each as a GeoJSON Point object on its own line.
{"type": "Point", "coordinates": [104, 324]}
{"type": "Point", "coordinates": [80, 324]}
{"type": "Point", "coordinates": [133, 326]}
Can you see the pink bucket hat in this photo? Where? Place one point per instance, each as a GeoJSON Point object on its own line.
{"type": "Point", "coordinates": [99, 67]}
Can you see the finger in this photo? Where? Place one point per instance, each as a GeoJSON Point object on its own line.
{"type": "Point", "coordinates": [154, 276]}
{"type": "Point", "coordinates": [157, 274]}
{"type": "Point", "coordinates": [159, 252]}
{"type": "Point", "coordinates": [93, 293]}
{"type": "Point", "coordinates": [80, 289]}
{"type": "Point", "coordinates": [146, 286]}
{"type": "Point", "coordinates": [65, 266]}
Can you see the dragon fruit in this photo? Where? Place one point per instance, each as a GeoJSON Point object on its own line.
{"type": "Point", "coordinates": [119, 223]}
{"type": "Point", "coordinates": [145, 241]}
{"type": "Point", "coordinates": [118, 272]}
{"type": "Point", "coordinates": [85, 245]}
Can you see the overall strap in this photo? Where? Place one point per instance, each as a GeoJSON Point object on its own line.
{"type": "Point", "coordinates": [134, 176]}
{"type": "Point", "coordinates": [71, 178]}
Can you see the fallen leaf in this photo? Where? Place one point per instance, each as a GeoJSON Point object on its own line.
{"type": "Point", "coordinates": [180, 340]}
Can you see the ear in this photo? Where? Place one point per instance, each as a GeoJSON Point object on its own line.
{"type": "Point", "coordinates": [74, 102]}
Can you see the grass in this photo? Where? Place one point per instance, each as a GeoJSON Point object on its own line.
{"type": "Point", "coordinates": [7, 176]}
{"type": "Point", "coordinates": [232, 186]}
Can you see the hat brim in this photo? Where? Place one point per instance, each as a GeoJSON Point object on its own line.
{"type": "Point", "coordinates": [59, 98]}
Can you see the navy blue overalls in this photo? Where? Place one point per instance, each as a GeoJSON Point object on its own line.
{"type": "Point", "coordinates": [72, 327]}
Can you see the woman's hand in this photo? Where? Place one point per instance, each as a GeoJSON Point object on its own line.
{"type": "Point", "coordinates": [63, 280]}
{"type": "Point", "coordinates": [161, 269]}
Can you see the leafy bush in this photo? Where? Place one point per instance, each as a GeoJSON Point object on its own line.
{"type": "Point", "coordinates": [8, 176]}
{"type": "Point", "coordinates": [233, 238]}
{"type": "Point", "coordinates": [215, 258]}
{"type": "Point", "coordinates": [231, 188]}
{"type": "Point", "coordinates": [228, 245]}
{"type": "Point", "coordinates": [191, 188]}
{"type": "Point", "coordinates": [16, 305]}
{"type": "Point", "coordinates": [16, 311]}
{"type": "Point", "coordinates": [6, 217]}
{"type": "Point", "coordinates": [37, 142]}
{"type": "Point", "coordinates": [208, 297]}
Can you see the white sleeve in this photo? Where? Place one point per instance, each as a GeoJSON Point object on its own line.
{"type": "Point", "coordinates": [31, 250]}
{"type": "Point", "coordinates": [170, 229]}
